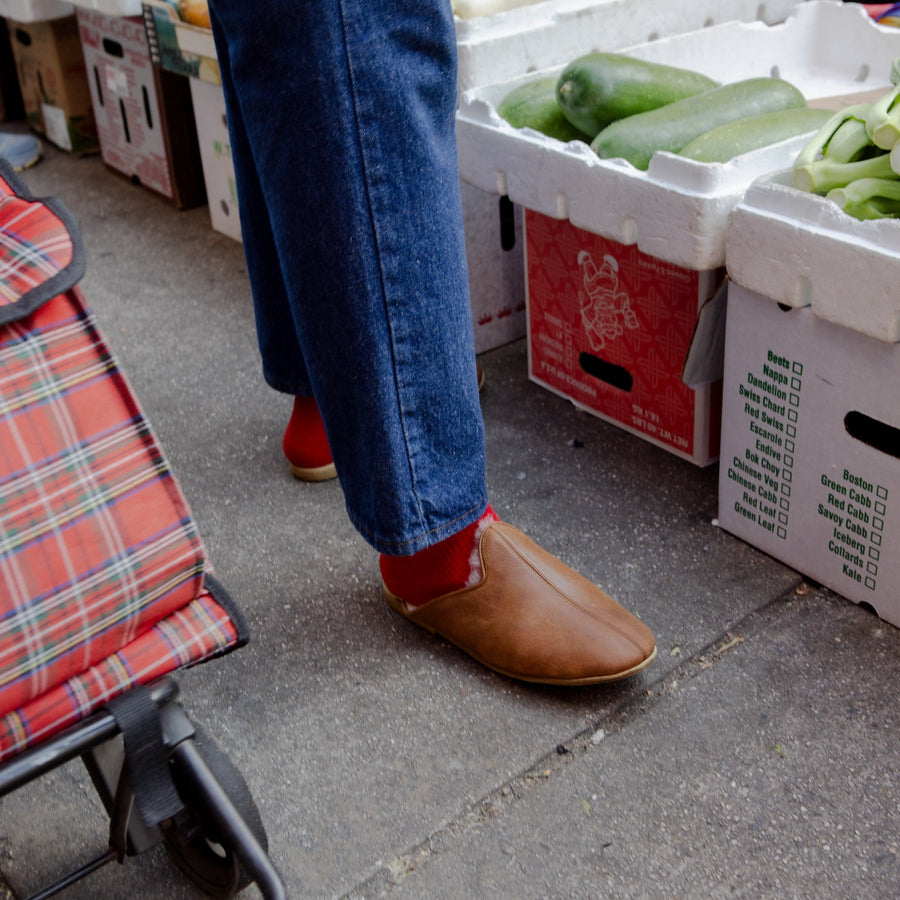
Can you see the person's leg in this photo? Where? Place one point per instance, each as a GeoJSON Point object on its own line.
{"type": "Point", "coordinates": [345, 109]}
{"type": "Point", "coordinates": [348, 120]}
{"type": "Point", "coordinates": [305, 442]}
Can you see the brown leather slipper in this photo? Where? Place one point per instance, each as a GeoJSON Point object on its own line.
{"type": "Point", "coordinates": [533, 618]}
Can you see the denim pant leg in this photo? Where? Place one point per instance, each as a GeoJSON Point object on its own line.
{"type": "Point", "coordinates": [342, 125]}
{"type": "Point", "coordinates": [282, 357]}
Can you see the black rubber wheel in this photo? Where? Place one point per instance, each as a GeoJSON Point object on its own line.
{"type": "Point", "coordinates": [192, 840]}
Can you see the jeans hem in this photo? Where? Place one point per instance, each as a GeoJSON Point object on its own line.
{"type": "Point", "coordinates": [407, 547]}
{"type": "Point", "coordinates": [286, 386]}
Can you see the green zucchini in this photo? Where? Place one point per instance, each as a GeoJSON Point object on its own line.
{"type": "Point", "coordinates": [533, 105]}
{"type": "Point", "coordinates": [672, 127]}
{"type": "Point", "coordinates": [599, 88]}
{"type": "Point", "coordinates": [752, 132]}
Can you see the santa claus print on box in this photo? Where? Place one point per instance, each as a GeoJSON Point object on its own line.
{"type": "Point", "coordinates": [609, 327]}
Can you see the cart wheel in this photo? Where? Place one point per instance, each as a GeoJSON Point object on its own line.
{"type": "Point", "coordinates": [192, 840]}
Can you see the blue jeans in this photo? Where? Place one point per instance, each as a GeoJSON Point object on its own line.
{"type": "Point", "coordinates": [341, 119]}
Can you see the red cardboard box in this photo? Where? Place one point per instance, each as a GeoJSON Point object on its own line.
{"type": "Point", "coordinates": [612, 329]}
{"type": "Point", "coordinates": [144, 115]}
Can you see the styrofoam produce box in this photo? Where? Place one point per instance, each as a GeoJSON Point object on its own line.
{"type": "Point", "coordinates": [34, 10]}
{"type": "Point", "coordinates": [803, 250]}
{"type": "Point", "coordinates": [535, 36]}
{"type": "Point", "coordinates": [810, 469]}
{"type": "Point", "coordinates": [111, 7]}
{"type": "Point", "coordinates": [494, 46]}
{"type": "Point", "coordinates": [677, 210]}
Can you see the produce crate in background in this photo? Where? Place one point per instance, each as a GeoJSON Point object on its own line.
{"type": "Point", "coordinates": [179, 46]}
{"type": "Point", "coordinates": [189, 50]}
{"type": "Point", "coordinates": [215, 155]}
{"type": "Point", "coordinates": [674, 214]}
{"type": "Point", "coordinates": [144, 115]}
{"type": "Point", "coordinates": [53, 82]}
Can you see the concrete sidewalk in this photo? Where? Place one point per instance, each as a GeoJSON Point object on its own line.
{"type": "Point", "coordinates": [756, 758]}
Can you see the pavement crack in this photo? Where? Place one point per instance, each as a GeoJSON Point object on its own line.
{"type": "Point", "coordinates": [481, 813]}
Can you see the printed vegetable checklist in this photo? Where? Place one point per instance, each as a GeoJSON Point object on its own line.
{"type": "Point", "coordinates": [810, 466]}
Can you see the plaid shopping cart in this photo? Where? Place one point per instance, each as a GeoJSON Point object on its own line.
{"type": "Point", "coordinates": [105, 590]}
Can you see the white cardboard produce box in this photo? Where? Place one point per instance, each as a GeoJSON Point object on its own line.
{"type": "Point", "coordinates": [34, 10]}
{"type": "Point", "coordinates": [810, 468]}
{"type": "Point", "coordinates": [144, 116]}
{"type": "Point", "coordinates": [494, 242]}
{"type": "Point", "coordinates": [215, 157]}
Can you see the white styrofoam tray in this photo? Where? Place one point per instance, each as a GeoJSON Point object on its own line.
{"type": "Point", "coordinates": [678, 209]}
{"type": "Point", "coordinates": [34, 10]}
{"type": "Point", "coordinates": [195, 39]}
{"type": "Point", "coordinates": [801, 249]}
{"type": "Point", "coordinates": [503, 45]}
{"type": "Point", "coordinates": [112, 7]}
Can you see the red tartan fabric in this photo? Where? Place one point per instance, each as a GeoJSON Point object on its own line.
{"type": "Point", "coordinates": [101, 566]}
{"type": "Point", "coordinates": [96, 541]}
{"type": "Point", "coordinates": [36, 249]}
{"type": "Point", "coordinates": [187, 636]}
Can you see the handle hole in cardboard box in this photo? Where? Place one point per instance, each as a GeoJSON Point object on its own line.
{"type": "Point", "coordinates": [101, 99]}
{"type": "Point", "coordinates": [605, 371]}
{"type": "Point", "coordinates": [873, 433]}
{"type": "Point", "coordinates": [113, 48]}
{"type": "Point", "coordinates": [148, 110]}
{"type": "Point", "coordinates": [124, 114]}
{"type": "Point", "coordinates": [507, 224]}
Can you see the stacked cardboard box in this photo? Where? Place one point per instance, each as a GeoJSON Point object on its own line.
{"type": "Point", "coordinates": [632, 258]}
{"type": "Point", "coordinates": [187, 50]}
{"type": "Point", "coordinates": [144, 115]}
{"type": "Point", "coordinates": [53, 80]}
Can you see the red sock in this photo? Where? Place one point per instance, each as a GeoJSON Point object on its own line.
{"type": "Point", "coordinates": [305, 443]}
{"type": "Point", "coordinates": [437, 570]}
